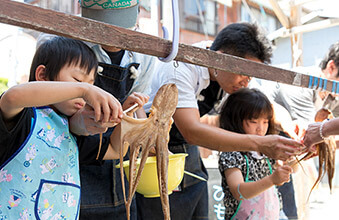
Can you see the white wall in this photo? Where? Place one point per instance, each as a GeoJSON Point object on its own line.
{"type": "Point", "coordinates": [315, 46]}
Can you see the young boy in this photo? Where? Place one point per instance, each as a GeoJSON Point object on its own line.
{"type": "Point", "coordinates": [39, 165]}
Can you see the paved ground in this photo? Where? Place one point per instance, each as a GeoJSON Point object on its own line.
{"type": "Point", "coordinates": [321, 204]}
{"type": "Point", "coordinates": [324, 205]}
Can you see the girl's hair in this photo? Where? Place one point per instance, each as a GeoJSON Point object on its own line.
{"type": "Point", "coordinates": [245, 104]}
{"type": "Point", "coordinates": [58, 52]}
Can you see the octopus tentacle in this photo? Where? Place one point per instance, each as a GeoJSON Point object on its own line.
{"type": "Point", "coordinates": [325, 151]}
{"type": "Point", "coordinates": [146, 133]}
{"type": "Point", "coordinates": [141, 166]}
{"type": "Point", "coordinates": [162, 167]}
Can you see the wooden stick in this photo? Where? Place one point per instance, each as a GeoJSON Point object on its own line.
{"type": "Point", "coordinates": [53, 22]}
{"type": "Point", "coordinates": [131, 108]}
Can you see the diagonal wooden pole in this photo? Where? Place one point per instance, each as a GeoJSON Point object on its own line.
{"type": "Point", "coordinates": [53, 22]}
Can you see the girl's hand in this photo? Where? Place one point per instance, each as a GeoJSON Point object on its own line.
{"type": "Point", "coordinates": [293, 163]}
{"type": "Point", "coordinates": [281, 175]}
{"type": "Point", "coordinates": [135, 97]}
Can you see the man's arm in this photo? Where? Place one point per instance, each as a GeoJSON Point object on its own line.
{"type": "Point", "coordinates": [188, 122]}
{"type": "Point", "coordinates": [210, 120]}
{"type": "Point", "coordinates": [327, 128]}
{"type": "Point", "coordinates": [113, 150]}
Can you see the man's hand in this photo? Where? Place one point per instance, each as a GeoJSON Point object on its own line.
{"type": "Point", "coordinates": [278, 147]}
{"type": "Point", "coordinates": [312, 135]}
{"type": "Point", "coordinates": [83, 123]}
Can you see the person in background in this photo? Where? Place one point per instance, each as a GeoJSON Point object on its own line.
{"type": "Point", "coordinates": [301, 105]}
{"type": "Point", "coordinates": [199, 89]}
{"type": "Point", "coordinates": [249, 178]}
{"type": "Point", "coordinates": [330, 67]}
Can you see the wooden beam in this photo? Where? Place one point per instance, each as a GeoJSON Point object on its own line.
{"type": "Point", "coordinates": [257, 6]}
{"type": "Point", "coordinates": [296, 39]}
{"type": "Point", "coordinates": [327, 23]}
{"type": "Point", "coordinates": [302, 2]}
{"type": "Point", "coordinates": [53, 22]}
{"type": "Point", "coordinates": [284, 20]}
{"type": "Point", "coordinates": [282, 32]}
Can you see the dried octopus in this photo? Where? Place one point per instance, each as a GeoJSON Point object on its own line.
{"type": "Point", "coordinates": [144, 134]}
{"type": "Point", "coordinates": [325, 151]}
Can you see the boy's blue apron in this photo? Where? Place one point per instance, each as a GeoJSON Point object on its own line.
{"type": "Point", "coordinates": [41, 180]}
{"type": "Point", "coordinates": [263, 206]}
{"type": "Point", "coordinates": [102, 195]}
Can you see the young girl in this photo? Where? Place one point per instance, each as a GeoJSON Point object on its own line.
{"type": "Point", "coordinates": [248, 178]}
{"type": "Point", "coordinates": [39, 165]}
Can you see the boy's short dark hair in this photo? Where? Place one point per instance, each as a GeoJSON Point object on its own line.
{"type": "Point", "coordinates": [58, 52]}
{"type": "Point", "coordinates": [333, 54]}
{"type": "Point", "coordinates": [243, 39]}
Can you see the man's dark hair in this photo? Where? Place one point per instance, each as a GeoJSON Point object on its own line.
{"type": "Point", "coordinates": [333, 54]}
{"type": "Point", "coordinates": [243, 39]}
{"type": "Point", "coordinates": [58, 52]}
{"type": "Point", "coordinates": [245, 104]}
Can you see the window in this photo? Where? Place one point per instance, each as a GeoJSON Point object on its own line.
{"type": "Point", "coordinates": [146, 4]}
{"type": "Point", "coordinates": [199, 16]}
{"type": "Point", "coordinates": [66, 6]}
{"type": "Point", "coordinates": [266, 21]}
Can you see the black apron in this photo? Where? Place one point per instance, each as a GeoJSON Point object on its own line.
{"type": "Point", "coordinates": [177, 144]}
{"type": "Point", "coordinates": [116, 80]}
{"type": "Point", "coordinates": [101, 194]}
{"type": "Point", "coordinates": [211, 95]}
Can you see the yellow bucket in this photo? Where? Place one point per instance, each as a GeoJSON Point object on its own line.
{"type": "Point", "coordinates": [148, 184]}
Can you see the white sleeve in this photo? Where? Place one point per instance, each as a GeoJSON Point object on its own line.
{"type": "Point", "coordinates": [186, 82]}
{"type": "Point", "coordinates": [185, 79]}
{"type": "Point", "coordinates": [182, 77]}
{"type": "Point", "coordinates": [145, 72]}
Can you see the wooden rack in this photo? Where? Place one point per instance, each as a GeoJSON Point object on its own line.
{"type": "Point", "coordinates": [53, 22]}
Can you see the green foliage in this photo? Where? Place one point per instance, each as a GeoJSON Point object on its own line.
{"type": "Point", "coordinates": [3, 84]}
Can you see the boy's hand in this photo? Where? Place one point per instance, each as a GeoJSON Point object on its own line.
{"type": "Point", "coordinates": [106, 106]}
{"type": "Point", "coordinates": [281, 175]}
{"type": "Point", "coordinates": [135, 97]}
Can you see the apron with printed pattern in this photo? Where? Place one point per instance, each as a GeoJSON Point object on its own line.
{"type": "Point", "coordinates": [264, 206]}
{"type": "Point", "coordinates": [41, 180]}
